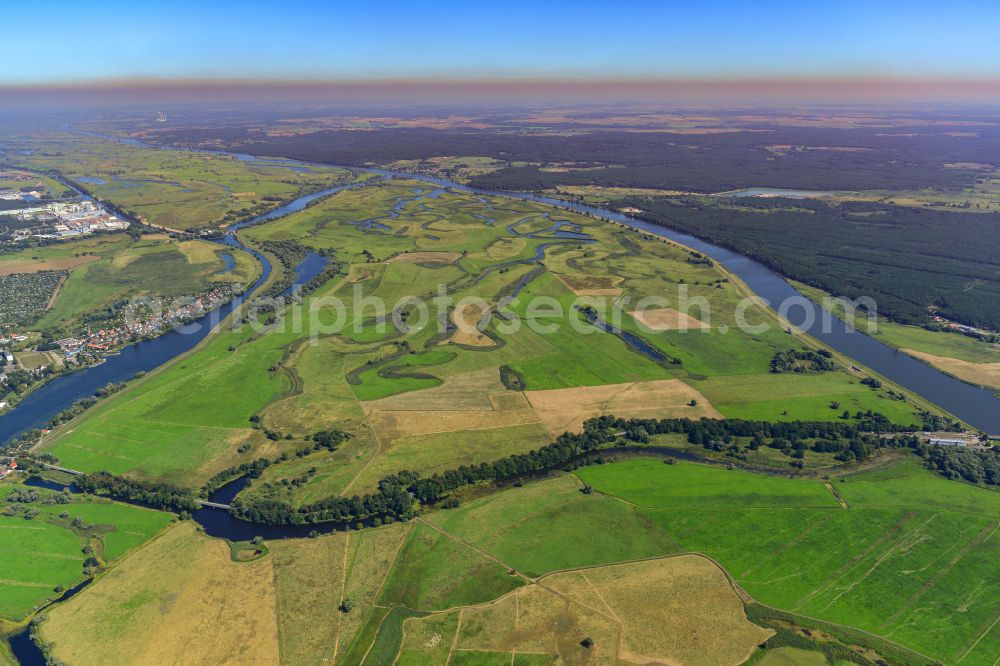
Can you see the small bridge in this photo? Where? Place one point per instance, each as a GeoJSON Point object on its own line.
{"type": "Point", "coordinates": [215, 505]}
{"type": "Point", "coordinates": [74, 472]}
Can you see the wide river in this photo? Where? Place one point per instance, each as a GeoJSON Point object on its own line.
{"type": "Point", "coordinates": [974, 405]}
{"type": "Point", "coordinates": [977, 406]}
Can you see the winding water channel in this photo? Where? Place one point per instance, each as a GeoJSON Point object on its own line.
{"type": "Point", "coordinates": [977, 406]}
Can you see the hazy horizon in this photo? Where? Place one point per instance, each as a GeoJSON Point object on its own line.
{"type": "Point", "coordinates": [505, 92]}
{"type": "Point", "coordinates": [637, 49]}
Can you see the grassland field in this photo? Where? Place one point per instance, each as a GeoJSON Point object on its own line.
{"type": "Point", "coordinates": [45, 552]}
{"type": "Point", "coordinates": [532, 571]}
{"type": "Point", "coordinates": [905, 555]}
{"type": "Point", "coordinates": [433, 403]}
{"type": "Point", "coordinates": [14, 179]}
{"type": "Point", "coordinates": [179, 190]}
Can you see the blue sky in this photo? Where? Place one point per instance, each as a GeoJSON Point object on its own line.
{"type": "Point", "coordinates": [76, 40]}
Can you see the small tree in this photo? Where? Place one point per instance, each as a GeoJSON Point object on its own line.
{"type": "Point", "coordinates": [587, 643]}
{"type": "Point", "coordinates": [347, 605]}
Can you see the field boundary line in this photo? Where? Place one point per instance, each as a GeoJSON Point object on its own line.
{"type": "Point", "coordinates": [897, 545]}
{"type": "Point", "coordinates": [371, 426]}
{"type": "Point", "coordinates": [475, 549]}
{"type": "Point", "coordinates": [517, 619]}
{"type": "Point", "coordinates": [343, 590]}
{"type": "Point", "coordinates": [979, 538]}
{"type": "Point", "coordinates": [709, 508]}
{"type": "Point", "coordinates": [277, 607]}
{"type": "Point", "coordinates": [392, 564]}
{"type": "Point", "coordinates": [454, 639]}
{"type": "Point", "coordinates": [788, 544]}
{"type": "Point", "coordinates": [847, 566]}
{"type": "Point", "coordinates": [371, 647]}
{"type": "Point", "coordinates": [980, 638]}
{"type": "Point", "coordinates": [600, 596]}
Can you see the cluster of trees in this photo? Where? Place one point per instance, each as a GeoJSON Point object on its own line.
{"type": "Point", "coordinates": [512, 379]}
{"type": "Point", "coordinates": [19, 381]}
{"type": "Point", "coordinates": [251, 469]}
{"type": "Point", "coordinates": [291, 253]}
{"type": "Point", "coordinates": [872, 382]}
{"type": "Point", "coordinates": [803, 360]}
{"type": "Point", "coordinates": [956, 462]}
{"type": "Point", "coordinates": [154, 494]}
{"type": "Point", "coordinates": [330, 439]}
{"type": "Point", "coordinates": [324, 439]}
{"type": "Point", "coordinates": [390, 501]}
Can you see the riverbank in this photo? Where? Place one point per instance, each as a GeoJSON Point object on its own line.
{"type": "Point", "coordinates": [970, 404]}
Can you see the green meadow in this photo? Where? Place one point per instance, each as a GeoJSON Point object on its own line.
{"type": "Point", "coordinates": [911, 559]}
{"type": "Point", "coordinates": [399, 240]}
{"type": "Point", "coordinates": [44, 554]}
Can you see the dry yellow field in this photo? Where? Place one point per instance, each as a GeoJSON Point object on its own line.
{"type": "Point", "coordinates": [425, 258]}
{"type": "Point", "coordinates": [564, 410]}
{"type": "Point", "coordinates": [678, 610]}
{"type": "Point", "coordinates": [592, 285]}
{"type": "Point", "coordinates": [985, 374]}
{"type": "Point", "coordinates": [505, 248]}
{"type": "Point", "coordinates": [180, 600]}
{"type": "Point", "coordinates": [60, 264]}
{"type": "Point", "coordinates": [667, 319]}
{"type": "Point", "coordinates": [674, 611]}
{"type": "Point", "coordinates": [470, 401]}
{"type": "Point", "coordinates": [309, 584]}
{"type": "Point", "coordinates": [534, 620]}
{"type": "Point", "coordinates": [312, 577]}
{"type": "Point", "coordinates": [199, 252]}
{"type": "Point", "coordinates": [396, 424]}
{"type": "Point", "coordinates": [466, 318]}
{"type": "Point", "coordinates": [467, 391]}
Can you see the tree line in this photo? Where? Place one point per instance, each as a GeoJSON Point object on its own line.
{"type": "Point", "coordinates": [399, 495]}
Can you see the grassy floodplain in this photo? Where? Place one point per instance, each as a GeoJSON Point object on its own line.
{"type": "Point", "coordinates": [427, 401]}
{"type": "Point", "coordinates": [176, 189]}
{"type": "Point", "coordinates": [532, 571]}
{"type": "Point", "coordinates": [45, 553]}
{"type": "Point", "coordinates": [910, 559]}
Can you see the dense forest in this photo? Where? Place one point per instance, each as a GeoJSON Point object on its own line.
{"type": "Point", "coordinates": [875, 159]}
{"type": "Point", "coordinates": [907, 259]}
